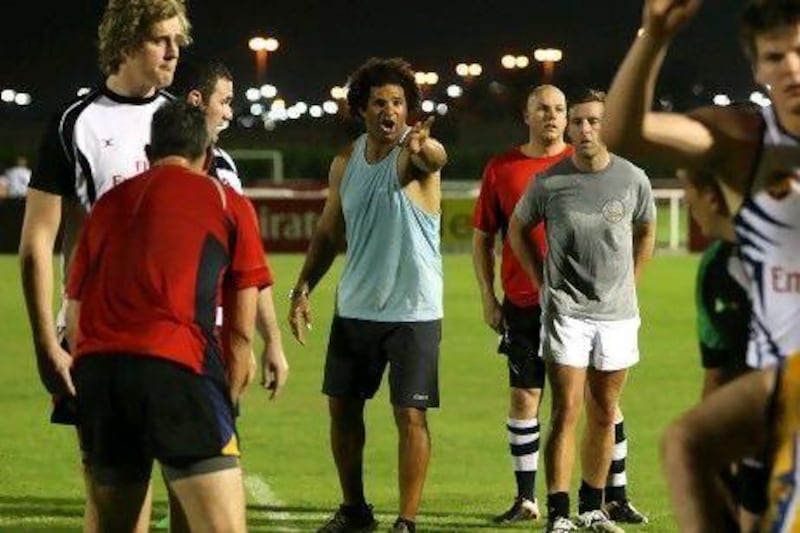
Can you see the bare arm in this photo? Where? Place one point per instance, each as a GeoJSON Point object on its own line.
{"type": "Point", "coordinates": [321, 252]}
{"type": "Point", "coordinates": [524, 249]}
{"type": "Point", "coordinates": [629, 126]}
{"type": "Point", "coordinates": [483, 263]}
{"type": "Point", "coordinates": [644, 242]}
{"type": "Point", "coordinates": [426, 154]}
{"type": "Point", "coordinates": [726, 426]}
{"type": "Point", "coordinates": [39, 231]}
{"type": "Point", "coordinates": [239, 309]}
{"type": "Point", "coordinates": [274, 367]}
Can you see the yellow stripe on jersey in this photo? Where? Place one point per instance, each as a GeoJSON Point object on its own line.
{"type": "Point", "coordinates": [783, 514]}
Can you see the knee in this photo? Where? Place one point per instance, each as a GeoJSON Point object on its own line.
{"type": "Point", "coordinates": [524, 403]}
{"type": "Point", "coordinates": [346, 414]}
{"type": "Point", "coordinates": [602, 415]}
{"type": "Point", "coordinates": [566, 411]}
{"type": "Point", "coordinates": [409, 419]}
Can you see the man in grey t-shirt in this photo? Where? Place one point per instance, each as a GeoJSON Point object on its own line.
{"type": "Point", "coordinates": [599, 216]}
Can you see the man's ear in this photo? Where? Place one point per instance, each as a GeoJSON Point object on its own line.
{"type": "Point", "coordinates": [195, 98]}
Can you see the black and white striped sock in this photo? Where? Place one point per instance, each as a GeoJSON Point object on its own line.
{"type": "Point", "coordinates": [523, 441]}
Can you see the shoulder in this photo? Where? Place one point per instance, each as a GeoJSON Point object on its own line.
{"type": "Point", "coordinates": [739, 121]}
{"type": "Point", "coordinates": [341, 160]}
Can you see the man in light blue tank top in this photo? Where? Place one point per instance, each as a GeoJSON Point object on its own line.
{"type": "Point", "coordinates": [599, 217]}
{"type": "Point", "coordinates": [383, 201]}
{"type": "Point", "coordinates": [747, 148]}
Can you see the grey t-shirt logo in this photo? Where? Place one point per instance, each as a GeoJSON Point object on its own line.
{"type": "Point", "coordinates": [613, 210]}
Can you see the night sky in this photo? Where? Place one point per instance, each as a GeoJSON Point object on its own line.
{"type": "Point", "coordinates": [48, 47]}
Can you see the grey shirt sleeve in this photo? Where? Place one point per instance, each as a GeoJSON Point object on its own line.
{"type": "Point", "coordinates": [645, 210]}
{"type": "Point", "coordinates": [530, 207]}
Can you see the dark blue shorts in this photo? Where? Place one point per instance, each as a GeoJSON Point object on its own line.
{"type": "Point", "coordinates": [359, 350]}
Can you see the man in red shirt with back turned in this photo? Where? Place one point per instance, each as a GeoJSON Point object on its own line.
{"type": "Point", "coordinates": [517, 318]}
{"type": "Point", "coordinates": [154, 380]}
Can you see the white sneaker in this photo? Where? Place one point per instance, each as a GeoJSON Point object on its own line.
{"type": "Point", "coordinates": [560, 525]}
{"type": "Point", "coordinates": [598, 520]}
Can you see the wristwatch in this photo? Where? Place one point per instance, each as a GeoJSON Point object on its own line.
{"type": "Point", "coordinates": [297, 293]}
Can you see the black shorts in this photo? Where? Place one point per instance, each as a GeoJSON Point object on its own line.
{"type": "Point", "coordinates": [358, 351]}
{"type": "Point", "coordinates": [520, 344]}
{"type": "Point", "coordinates": [133, 409]}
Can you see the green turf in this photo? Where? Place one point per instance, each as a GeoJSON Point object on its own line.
{"type": "Point", "coordinates": [285, 441]}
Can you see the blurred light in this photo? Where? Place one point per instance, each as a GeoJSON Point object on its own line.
{"type": "Point", "coordinates": [697, 89]}
{"type": "Point", "coordinates": [277, 114]}
{"type": "Point", "coordinates": [270, 125]}
{"type": "Point", "coordinates": [340, 93]}
{"type": "Point", "coordinates": [278, 103]}
{"type": "Point", "coordinates": [22, 99]}
{"type": "Point", "coordinates": [7, 95]}
{"type": "Point", "coordinates": [247, 121]}
{"type": "Point", "coordinates": [442, 109]}
{"type": "Point", "coordinates": [271, 44]}
{"type": "Point", "coordinates": [293, 113]}
{"type": "Point", "coordinates": [431, 78]}
{"type": "Point", "coordinates": [508, 61]}
{"type": "Point", "coordinates": [552, 55]}
{"type": "Point", "coordinates": [419, 77]}
{"type": "Point", "coordinates": [760, 99]}
{"type": "Point", "coordinates": [301, 107]}
{"type": "Point", "coordinates": [83, 90]}
{"type": "Point", "coordinates": [496, 88]}
{"type": "Point", "coordinates": [315, 111]}
{"type": "Point", "coordinates": [330, 107]}
{"type": "Point", "coordinates": [428, 106]}
{"type": "Point", "coordinates": [462, 69]}
{"type": "Point", "coordinates": [454, 91]}
{"type": "Point", "coordinates": [475, 69]}
{"type": "Point", "coordinates": [666, 103]}
{"type": "Point", "coordinates": [252, 94]}
{"type": "Point", "coordinates": [258, 44]}
{"type": "Point", "coordinates": [521, 61]}
{"type": "Point", "coordinates": [640, 32]}
{"type": "Point", "coordinates": [722, 100]}
{"type": "Point", "coordinates": [256, 110]}
{"type": "Point", "coordinates": [268, 91]}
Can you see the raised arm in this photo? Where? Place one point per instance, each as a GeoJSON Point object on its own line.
{"type": "Point", "coordinates": [630, 128]}
{"type": "Point", "coordinates": [321, 252]}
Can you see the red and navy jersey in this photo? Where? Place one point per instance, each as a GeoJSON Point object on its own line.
{"type": "Point", "coordinates": [505, 179]}
{"type": "Point", "coordinates": [153, 260]}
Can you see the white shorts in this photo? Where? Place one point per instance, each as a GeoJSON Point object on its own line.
{"type": "Point", "coordinates": [605, 345]}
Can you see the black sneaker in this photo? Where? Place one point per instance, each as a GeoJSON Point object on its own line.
{"type": "Point", "coordinates": [625, 513]}
{"type": "Point", "coordinates": [522, 510]}
{"type": "Point", "coordinates": [350, 519]}
{"type": "Point", "coordinates": [403, 526]}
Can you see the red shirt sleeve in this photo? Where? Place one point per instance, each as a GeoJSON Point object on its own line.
{"type": "Point", "coordinates": [484, 217]}
{"type": "Point", "coordinates": [248, 264]}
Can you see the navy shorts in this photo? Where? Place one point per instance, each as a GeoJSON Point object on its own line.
{"type": "Point", "coordinates": [359, 350]}
{"type": "Point", "coordinates": [133, 409]}
{"type": "Point", "coordinates": [520, 344]}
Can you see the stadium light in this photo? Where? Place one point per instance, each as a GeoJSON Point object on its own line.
{"type": "Point", "coordinates": [315, 111]}
{"type": "Point", "coordinates": [548, 57]}
{"type": "Point", "coordinates": [428, 106]}
{"type": "Point", "coordinates": [7, 95]}
{"type": "Point", "coordinates": [722, 100]}
{"type": "Point", "coordinates": [268, 91]}
{"type": "Point", "coordinates": [454, 91]}
{"type": "Point", "coordinates": [262, 46]}
{"type": "Point", "coordinates": [22, 99]}
{"type": "Point", "coordinates": [252, 94]}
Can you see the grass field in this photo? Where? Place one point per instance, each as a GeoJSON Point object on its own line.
{"type": "Point", "coordinates": [290, 476]}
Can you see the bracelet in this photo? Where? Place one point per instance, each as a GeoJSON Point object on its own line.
{"type": "Point", "coordinates": [297, 293]}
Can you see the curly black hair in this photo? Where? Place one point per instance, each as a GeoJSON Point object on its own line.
{"type": "Point", "coordinates": [377, 72]}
